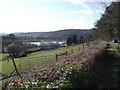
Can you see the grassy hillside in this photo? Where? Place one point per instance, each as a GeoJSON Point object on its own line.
{"type": "Point", "coordinates": [71, 72]}
{"type": "Point", "coordinates": [61, 34]}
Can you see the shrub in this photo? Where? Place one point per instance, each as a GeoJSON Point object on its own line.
{"type": "Point", "coordinates": [15, 50]}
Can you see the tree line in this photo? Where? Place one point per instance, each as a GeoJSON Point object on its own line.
{"type": "Point", "coordinates": [74, 39]}
{"type": "Point", "coordinates": [108, 27]}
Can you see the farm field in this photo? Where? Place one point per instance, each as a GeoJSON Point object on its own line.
{"type": "Point", "coordinates": [36, 59]}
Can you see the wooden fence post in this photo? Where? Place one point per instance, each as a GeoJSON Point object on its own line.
{"type": "Point", "coordinates": [20, 65]}
{"type": "Point", "coordinates": [37, 59]}
{"type": "Point", "coordinates": [66, 53]}
{"type": "Point", "coordinates": [16, 67]}
{"type": "Point", "coordinates": [83, 45]}
{"type": "Point", "coordinates": [28, 63]}
{"type": "Point", "coordinates": [71, 50]}
{"type": "Point", "coordinates": [56, 57]}
{"type": "Point", "coordinates": [79, 47]}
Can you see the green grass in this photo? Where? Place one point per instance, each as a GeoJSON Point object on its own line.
{"type": "Point", "coordinates": [34, 49]}
{"type": "Point", "coordinates": [113, 50]}
{"type": "Point", "coordinates": [53, 52]}
{"type": "Point", "coordinates": [3, 55]}
{"type": "Point", "coordinates": [36, 59]}
{"type": "Point", "coordinates": [105, 70]}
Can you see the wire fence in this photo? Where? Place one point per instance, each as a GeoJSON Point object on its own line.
{"type": "Point", "coordinates": [26, 64]}
{"type": "Point", "coordinates": [34, 62]}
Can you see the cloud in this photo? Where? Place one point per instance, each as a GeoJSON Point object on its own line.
{"type": "Point", "coordinates": [15, 21]}
{"type": "Point", "coordinates": [15, 17]}
{"type": "Point", "coordinates": [78, 2]}
{"type": "Point", "coordinates": [72, 12]}
{"type": "Point", "coordinates": [88, 12]}
{"type": "Point", "coordinates": [85, 3]}
{"type": "Point", "coordinates": [93, 0]}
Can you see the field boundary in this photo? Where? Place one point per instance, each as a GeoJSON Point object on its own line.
{"type": "Point", "coordinates": [51, 58]}
{"type": "Point", "coordinates": [37, 61]}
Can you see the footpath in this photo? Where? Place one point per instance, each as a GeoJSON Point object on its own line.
{"type": "Point", "coordinates": [106, 69]}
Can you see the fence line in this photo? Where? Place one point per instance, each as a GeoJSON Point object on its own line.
{"type": "Point", "coordinates": [34, 62]}
{"type": "Point", "coordinates": [31, 62]}
{"type": "Point", "coordinates": [40, 60]}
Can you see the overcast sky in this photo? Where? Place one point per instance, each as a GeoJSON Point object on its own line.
{"type": "Point", "coordinates": [47, 15]}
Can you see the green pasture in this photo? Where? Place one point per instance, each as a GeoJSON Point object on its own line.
{"type": "Point", "coordinates": [4, 56]}
{"type": "Point", "coordinates": [33, 49]}
{"type": "Point", "coordinates": [56, 51]}
{"type": "Point", "coordinates": [36, 59]}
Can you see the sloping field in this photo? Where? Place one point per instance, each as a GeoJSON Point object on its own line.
{"type": "Point", "coordinates": [35, 59]}
{"type": "Point", "coordinates": [68, 72]}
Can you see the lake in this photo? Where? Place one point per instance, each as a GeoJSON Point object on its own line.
{"type": "Point", "coordinates": [44, 43]}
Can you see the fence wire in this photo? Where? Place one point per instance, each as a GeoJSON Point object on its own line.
{"type": "Point", "coordinates": [34, 62]}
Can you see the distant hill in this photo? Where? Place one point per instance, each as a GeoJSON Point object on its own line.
{"type": "Point", "coordinates": [2, 34]}
{"type": "Point", "coordinates": [61, 34]}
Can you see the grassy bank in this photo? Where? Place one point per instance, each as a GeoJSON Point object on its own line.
{"type": "Point", "coordinates": [106, 69]}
